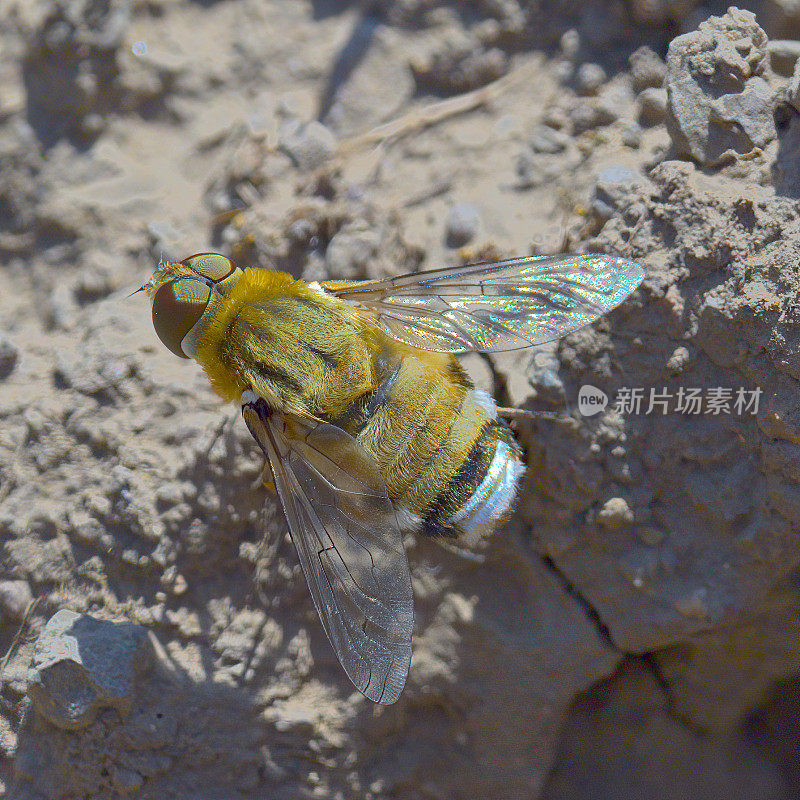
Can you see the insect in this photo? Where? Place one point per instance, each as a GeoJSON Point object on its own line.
{"type": "Point", "coordinates": [368, 423]}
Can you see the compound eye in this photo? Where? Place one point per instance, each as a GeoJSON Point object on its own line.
{"type": "Point", "coordinates": [177, 306]}
{"type": "Point", "coordinates": [210, 265]}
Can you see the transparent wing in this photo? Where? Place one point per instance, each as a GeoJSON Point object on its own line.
{"type": "Point", "coordinates": [351, 550]}
{"type": "Point", "coordinates": [502, 305]}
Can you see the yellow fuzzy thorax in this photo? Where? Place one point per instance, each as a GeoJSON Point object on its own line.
{"type": "Point", "coordinates": [242, 329]}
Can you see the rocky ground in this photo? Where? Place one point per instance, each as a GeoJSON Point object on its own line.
{"type": "Point", "coordinates": [633, 632]}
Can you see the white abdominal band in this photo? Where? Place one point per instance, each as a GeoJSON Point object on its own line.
{"type": "Point", "coordinates": [492, 498]}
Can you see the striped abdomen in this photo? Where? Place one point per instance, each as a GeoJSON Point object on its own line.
{"type": "Point", "coordinates": [450, 467]}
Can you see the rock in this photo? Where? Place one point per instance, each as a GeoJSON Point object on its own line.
{"type": "Point", "coordinates": [647, 69]}
{"type": "Point", "coordinates": [460, 68]}
{"type": "Point", "coordinates": [718, 99]}
{"type": "Point", "coordinates": [631, 135]}
{"type": "Point", "coordinates": [9, 356]}
{"type": "Point", "coordinates": [544, 139]}
{"type": "Point", "coordinates": [82, 664]}
{"type": "Point", "coordinates": [588, 114]}
{"type": "Point", "coordinates": [556, 118]}
{"type": "Point", "coordinates": [717, 677]}
{"type": "Point", "coordinates": [614, 183]}
{"type": "Point", "coordinates": [543, 377]}
{"type": "Point", "coordinates": [709, 483]}
{"type": "Point", "coordinates": [787, 119]}
{"type": "Point", "coordinates": [462, 224]}
{"type": "Point", "coordinates": [783, 55]}
{"type": "Point", "coordinates": [590, 78]}
{"type": "Point", "coordinates": [349, 252]}
{"type": "Point", "coordinates": [792, 94]}
{"type": "Point", "coordinates": [652, 106]}
{"type": "Point", "coordinates": [615, 513]}
{"type": "Point", "coordinates": [15, 597]}
{"type": "Point", "coordinates": [570, 43]}
{"type": "Point", "coordinates": [308, 144]}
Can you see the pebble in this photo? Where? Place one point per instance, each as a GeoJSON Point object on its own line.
{"type": "Point", "coordinates": [631, 135]}
{"type": "Point", "coordinates": [614, 183]}
{"type": "Point", "coordinates": [15, 597]}
{"type": "Point", "coordinates": [350, 251]}
{"type": "Point", "coordinates": [652, 106]}
{"type": "Point", "coordinates": [705, 126]}
{"type": "Point", "coordinates": [616, 513]}
{"type": "Point", "coordinates": [462, 224]}
{"type": "Point", "coordinates": [590, 78]}
{"type": "Point", "coordinates": [570, 43]}
{"type": "Point", "coordinates": [61, 307]}
{"type": "Point", "coordinates": [82, 664]}
{"type": "Point", "coordinates": [647, 69]}
{"type": "Point", "coordinates": [9, 355]}
{"type": "Point", "coordinates": [679, 360]}
{"type": "Point", "coordinates": [308, 144]}
{"type": "Point", "coordinates": [564, 72]}
{"type": "Point", "coordinates": [783, 55]}
{"type": "Point", "coordinates": [586, 115]}
{"type": "Point", "coordinates": [544, 139]}
{"type": "Point", "coordinates": [556, 118]}
{"type": "Point", "coordinates": [300, 231]}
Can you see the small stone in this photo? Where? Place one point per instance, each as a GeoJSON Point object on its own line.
{"type": "Point", "coordinates": [693, 605]}
{"type": "Point", "coordinates": [546, 140]}
{"type": "Point", "coordinates": [586, 114]}
{"type": "Point", "coordinates": [93, 284]}
{"type": "Point", "coordinates": [61, 307]}
{"type": "Point", "coordinates": [300, 231]}
{"type": "Point", "coordinates": [530, 172]}
{"type": "Point", "coordinates": [614, 184]}
{"type": "Point", "coordinates": [679, 360]}
{"type": "Point", "coordinates": [590, 78]}
{"type": "Point", "coordinates": [15, 597]}
{"type": "Point", "coordinates": [82, 664]}
{"type": "Point", "coordinates": [173, 582]}
{"type": "Point", "coordinates": [647, 69]}
{"type": "Point", "coordinates": [462, 224]}
{"type": "Point", "coordinates": [350, 251]}
{"type": "Point", "coordinates": [652, 106]}
{"type": "Point", "coordinates": [719, 101]}
{"type": "Point", "coordinates": [542, 374]}
{"type": "Point", "coordinates": [615, 514]}
{"type": "Point", "coordinates": [570, 43]}
{"type": "Point", "coordinates": [783, 55]}
{"type": "Point", "coordinates": [556, 118]}
{"type": "Point", "coordinates": [9, 355]}
{"type": "Point", "coordinates": [308, 144]}
{"type": "Point", "coordinates": [793, 90]}
{"type": "Point", "coordinates": [564, 72]}
{"type": "Point", "coordinates": [631, 135]}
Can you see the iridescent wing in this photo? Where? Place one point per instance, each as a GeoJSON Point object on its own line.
{"type": "Point", "coordinates": [350, 546]}
{"type": "Point", "coordinates": [501, 305]}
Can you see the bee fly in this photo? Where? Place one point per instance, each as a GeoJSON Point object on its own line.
{"type": "Point", "coordinates": [368, 423]}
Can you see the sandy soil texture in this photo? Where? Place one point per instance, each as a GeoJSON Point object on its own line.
{"type": "Point", "coordinates": [634, 631]}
